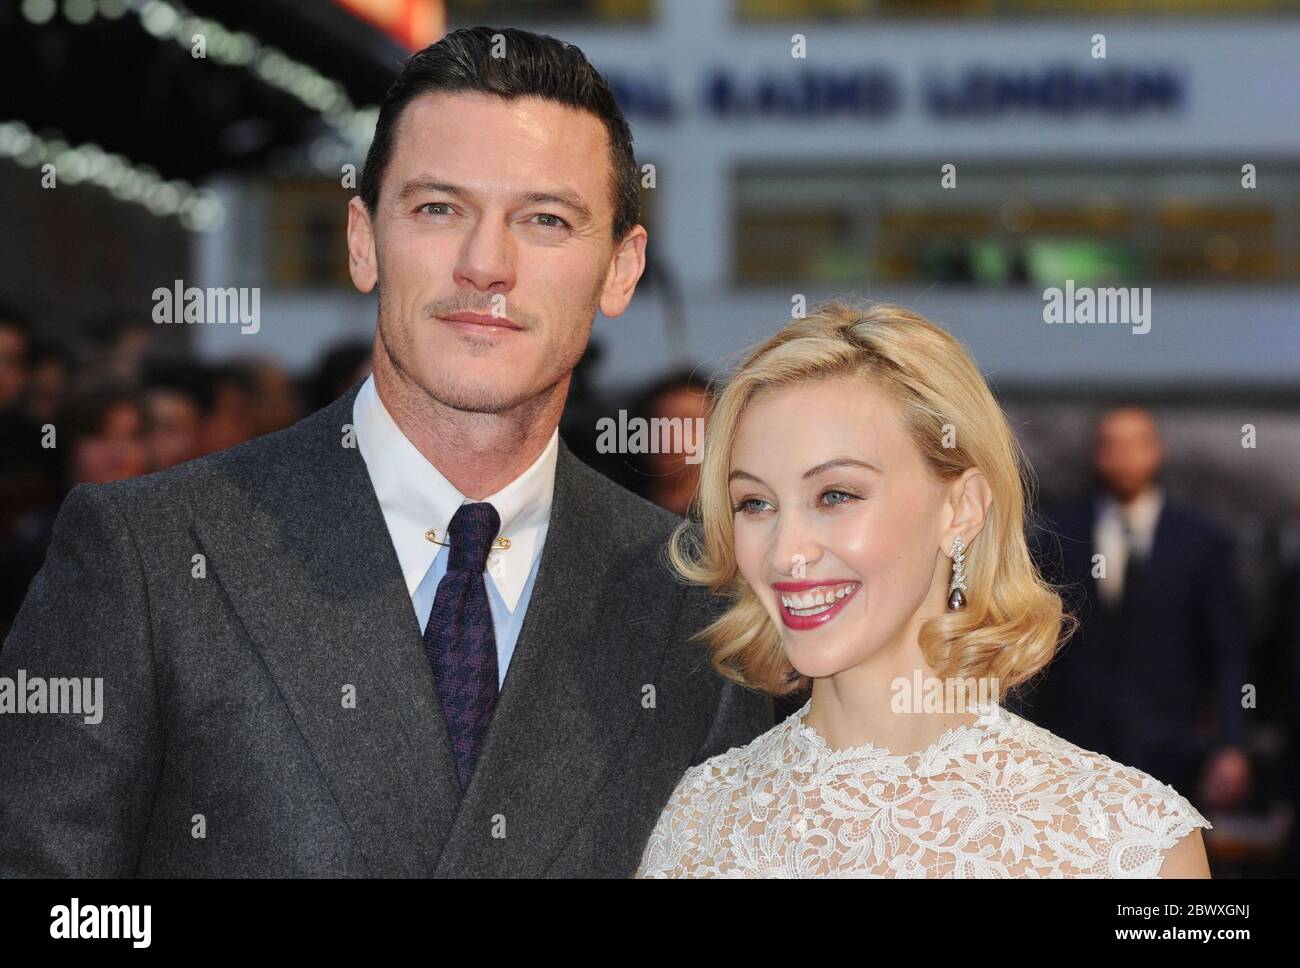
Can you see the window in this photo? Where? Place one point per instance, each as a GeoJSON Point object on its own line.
{"type": "Point", "coordinates": [760, 10]}
{"type": "Point", "coordinates": [1003, 228]}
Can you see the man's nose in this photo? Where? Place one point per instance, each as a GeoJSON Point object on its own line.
{"type": "Point", "coordinates": [487, 259]}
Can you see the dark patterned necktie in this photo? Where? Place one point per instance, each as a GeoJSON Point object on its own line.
{"type": "Point", "coordinates": [459, 639]}
{"type": "Point", "coordinates": [1132, 568]}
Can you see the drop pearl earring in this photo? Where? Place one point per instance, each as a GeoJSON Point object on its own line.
{"type": "Point", "coordinates": [957, 589]}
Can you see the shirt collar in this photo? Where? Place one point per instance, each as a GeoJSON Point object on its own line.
{"type": "Point", "coordinates": [1142, 513]}
{"type": "Point", "coordinates": [415, 497]}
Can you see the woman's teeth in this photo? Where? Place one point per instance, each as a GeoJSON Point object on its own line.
{"type": "Point", "coordinates": [815, 600]}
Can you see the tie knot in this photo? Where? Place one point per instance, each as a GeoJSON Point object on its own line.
{"type": "Point", "coordinates": [472, 530]}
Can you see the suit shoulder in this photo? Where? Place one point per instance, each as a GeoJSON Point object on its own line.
{"type": "Point", "coordinates": [614, 502]}
{"type": "Point", "coordinates": [1071, 520]}
{"type": "Point", "coordinates": [1190, 522]}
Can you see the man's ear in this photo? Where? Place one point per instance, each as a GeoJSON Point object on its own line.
{"type": "Point", "coordinates": [625, 270]}
{"type": "Point", "coordinates": [969, 500]}
{"type": "Point", "coordinates": [363, 263]}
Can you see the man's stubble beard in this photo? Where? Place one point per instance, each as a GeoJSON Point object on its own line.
{"type": "Point", "coordinates": [399, 345]}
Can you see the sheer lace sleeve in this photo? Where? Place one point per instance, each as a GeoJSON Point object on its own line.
{"type": "Point", "coordinates": [1126, 821]}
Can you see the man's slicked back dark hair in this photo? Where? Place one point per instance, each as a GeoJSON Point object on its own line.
{"type": "Point", "coordinates": [533, 65]}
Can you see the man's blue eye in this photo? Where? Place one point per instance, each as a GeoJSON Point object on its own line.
{"type": "Point", "coordinates": [558, 222]}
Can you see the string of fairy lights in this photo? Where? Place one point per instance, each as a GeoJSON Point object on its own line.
{"type": "Point", "coordinates": [197, 209]}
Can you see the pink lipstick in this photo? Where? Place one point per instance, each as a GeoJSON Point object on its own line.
{"type": "Point", "coordinates": [811, 604]}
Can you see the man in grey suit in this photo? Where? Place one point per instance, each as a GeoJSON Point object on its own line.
{"type": "Point", "coordinates": [411, 635]}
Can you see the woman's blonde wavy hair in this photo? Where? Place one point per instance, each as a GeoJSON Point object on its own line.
{"type": "Point", "coordinates": [1013, 620]}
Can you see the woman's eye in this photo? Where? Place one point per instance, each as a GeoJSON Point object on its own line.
{"type": "Point", "coordinates": [750, 505]}
{"type": "Point", "coordinates": [838, 497]}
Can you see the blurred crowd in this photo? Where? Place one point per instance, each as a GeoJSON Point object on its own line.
{"type": "Point", "coordinates": [119, 404]}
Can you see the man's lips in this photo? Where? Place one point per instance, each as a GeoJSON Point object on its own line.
{"type": "Point", "coordinates": [481, 321]}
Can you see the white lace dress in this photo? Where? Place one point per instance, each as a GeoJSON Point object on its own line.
{"type": "Point", "coordinates": [1000, 797]}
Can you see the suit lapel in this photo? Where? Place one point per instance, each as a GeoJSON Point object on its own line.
{"type": "Point", "coordinates": [572, 693]}
{"type": "Point", "coordinates": [324, 602]}
{"type": "Point", "coordinates": [1158, 560]}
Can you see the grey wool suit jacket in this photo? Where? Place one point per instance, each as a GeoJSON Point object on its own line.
{"type": "Point", "coordinates": [227, 746]}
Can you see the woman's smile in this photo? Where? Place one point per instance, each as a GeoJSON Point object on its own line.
{"type": "Point", "coordinates": [810, 604]}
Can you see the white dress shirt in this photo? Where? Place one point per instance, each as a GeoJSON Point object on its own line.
{"type": "Point", "coordinates": [415, 497]}
{"type": "Point", "coordinates": [1108, 535]}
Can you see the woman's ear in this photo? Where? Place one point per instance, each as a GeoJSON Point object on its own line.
{"type": "Point", "coordinates": [969, 500]}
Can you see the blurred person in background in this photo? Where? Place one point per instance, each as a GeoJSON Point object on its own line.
{"type": "Point", "coordinates": [118, 344]}
{"type": "Point", "coordinates": [196, 409]}
{"type": "Point", "coordinates": [99, 436]}
{"type": "Point", "coordinates": [47, 383]}
{"type": "Point", "coordinates": [232, 419]}
{"type": "Point", "coordinates": [15, 357]}
{"type": "Point", "coordinates": [668, 478]}
{"type": "Point", "coordinates": [1291, 787]}
{"type": "Point", "coordinates": [178, 395]}
{"type": "Point", "coordinates": [342, 367]}
{"type": "Point", "coordinates": [1153, 676]}
{"type": "Point", "coordinates": [1279, 669]}
{"type": "Point", "coordinates": [102, 433]}
{"type": "Point", "coordinates": [584, 409]}
{"type": "Point", "coordinates": [276, 401]}
{"type": "Point", "coordinates": [29, 473]}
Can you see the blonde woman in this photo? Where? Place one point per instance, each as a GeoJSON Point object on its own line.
{"type": "Point", "coordinates": [862, 507]}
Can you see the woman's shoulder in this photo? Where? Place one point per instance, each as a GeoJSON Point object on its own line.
{"type": "Point", "coordinates": [1025, 737]}
{"type": "Point", "coordinates": [1097, 799]}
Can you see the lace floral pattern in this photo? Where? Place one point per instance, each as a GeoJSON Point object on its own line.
{"type": "Point", "coordinates": [1000, 797]}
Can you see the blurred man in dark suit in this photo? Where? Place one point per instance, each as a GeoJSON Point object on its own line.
{"type": "Point", "coordinates": [1154, 674]}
